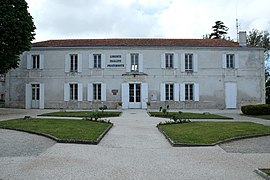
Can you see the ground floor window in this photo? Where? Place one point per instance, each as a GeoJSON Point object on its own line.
{"type": "Point", "coordinates": [73, 91]}
{"type": "Point", "coordinates": [169, 92]}
{"type": "Point", "coordinates": [35, 92]}
{"type": "Point", "coordinates": [189, 92]}
{"type": "Point", "coordinates": [97, 92]}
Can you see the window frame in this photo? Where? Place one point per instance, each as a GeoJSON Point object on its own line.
{"type": "Point", "coordinates": [35, 61]}
{"type": "Point", "coordinates": [134, 62]}
{"type": "Point", "coordinates": [97, 60]}
{"type": "Point", "coordinates": [74, 91]}
{"type": "Point", "coordinates": [189, 62]}
{"type": "Point", "coordinates": [97, 91]}
{"type": "Point", "coordinates": [73, 62]}
{"type": "Point", "coordinates": [169, 92]}
{"type": "Point", "coordinates": [230, 61]}
{"type": "Point", "coordinates": [169, 60]}
{"type": "Point", "coordinates": [189, 92]}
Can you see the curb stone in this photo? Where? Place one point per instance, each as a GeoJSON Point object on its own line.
{"type": "Point", "coordinates": [262, 174]}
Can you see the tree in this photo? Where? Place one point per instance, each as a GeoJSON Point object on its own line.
{"type": "Point", "coordinates": [16, 32]}
{"type": "Point", "coordinates": [219, 31]}
{"type": "Point", "coordinates": [262, 39]}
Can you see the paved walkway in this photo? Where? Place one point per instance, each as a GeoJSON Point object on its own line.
{"type": "Point", "coordinates": [133, 149]}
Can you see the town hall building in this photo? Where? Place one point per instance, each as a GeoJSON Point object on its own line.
{"type": "Point", "coordinates": [137, 73]}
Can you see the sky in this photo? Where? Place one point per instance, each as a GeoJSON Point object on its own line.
{"type": "Point", "coordinates": [85, 19]}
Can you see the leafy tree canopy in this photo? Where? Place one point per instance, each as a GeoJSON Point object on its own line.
{"type": "Point", "coordinates": [16, 32]}
{"type": "Point", "coordinates": [219, 31]}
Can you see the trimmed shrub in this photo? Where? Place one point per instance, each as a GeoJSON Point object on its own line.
{"type": "Point", "coordinates": [260, 109]}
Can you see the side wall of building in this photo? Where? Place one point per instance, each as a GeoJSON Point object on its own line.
{"type": "Point", "coordinates": [209, 76]}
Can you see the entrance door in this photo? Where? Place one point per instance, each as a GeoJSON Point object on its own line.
{"type": "Point", "coordinates": [35, 96]}
{"type": "Point", "coordinates": [230, 95]}
{"type": "Point", "coordinates": [134, 96]}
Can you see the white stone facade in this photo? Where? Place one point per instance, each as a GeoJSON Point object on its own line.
{"type": "Point", "coordinates": [141, 76]}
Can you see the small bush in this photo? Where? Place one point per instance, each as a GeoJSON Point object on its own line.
{"type": "Point", "coordinates": [260, 109]}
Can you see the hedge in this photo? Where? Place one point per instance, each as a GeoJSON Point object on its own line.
{"type": "Point", "coordinates": [260, 109]}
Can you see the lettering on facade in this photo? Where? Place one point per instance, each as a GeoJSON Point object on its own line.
{"type": "Point", "coordinates": [115, 62]}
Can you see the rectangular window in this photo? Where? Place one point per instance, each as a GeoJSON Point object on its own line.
{"type": "Point", "coordinates": [169, 60]}
{"type": "Point", "coordinates": [97, 60]}
{"type": "Point", "coordinates": [169, 92]}
{"type": "Point", "coordinates": [73, 62]}
{"type": "Point", "coordinates": [188, 62]}
{"type": "Point", "coordinates": [189, 92]}
{"type": "Point", "coordinates": [36, 61]}
{"type": "Point", "coordinates": [97, 92]}
{"type": "Point", "coordinates": [73, 91]}
{"type": "Point", "coordinates": [230, 61]}
{"type": "Point", "coordinates": [134, 62]}
{"type": "Point", "coordinates": [35, 91]}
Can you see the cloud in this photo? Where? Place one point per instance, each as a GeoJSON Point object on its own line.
{"type": "Point", "coordinates": [59, 19]}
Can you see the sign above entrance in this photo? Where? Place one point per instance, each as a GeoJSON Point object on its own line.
{"type": "Point", "coordinates": [115, 61]}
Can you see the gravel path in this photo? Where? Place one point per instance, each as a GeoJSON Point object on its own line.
{"type": "Point", "coordinates": [15, 143]}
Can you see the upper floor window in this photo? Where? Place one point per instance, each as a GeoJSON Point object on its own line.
{"type": "Point", "coordinates": [169, 92]}
{"type": "Point", "coordinates": [134, 62]}
{"type": "Point", "coordinates": [73, 62]}
{"type": "Point", "coordinates": [36, 61]}
{"type": "Point", "coordinates": [188, 62]}
{"type": "Point", "coordinates": [169, 60]}
{"type": "Point", "coordinates": [97, 60]}
{"type": "Point", "coordinates": [230, 61]}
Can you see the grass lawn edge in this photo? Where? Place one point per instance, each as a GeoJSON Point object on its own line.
{"type": "Point", "coordinates": [212, 144]}
{"type": "Point", "coordinates": [262, 174]}
{"type": "Point", "coordinates": [70, 141]}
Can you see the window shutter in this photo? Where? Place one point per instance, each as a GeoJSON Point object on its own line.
{"type": "Point", "coordinates": [224, 64]}
{"type": "Point", "coordinates": [195, 62]}
{"type": "Point", "coordinates": [79, 62]}
{"type": "Point", "coordinates": [140, 62]}
{"type": "Point", "coordinates": [103, 60]}
{"type": "Point", "coordinates": [103, 92]}
{"type": "Point", "coordinates": [125, 95]}
{"type": "Point", "coordinates": [196, 92]}
{"type": "Point", "coordinates": [66, 92]}
{"type": "Point", "coordinates": [41, 99]}
{"type": "Point", "coordinates": [162, 92]}
{"type": "Point", "coordinates": [144, 93]}
{"type": "Point", "coordinates": [41, 63]}
{"type": "Point", "coordinates": [80, 92]}
{"type": "Point", "coordinates": [128, 63]}
{"type": "Point", "coordinates": [90, 92]}
{"type": "Point", "coordinates": [28, 96]}
{"type": "Point", "coordinates": [237, 62]}
{"type": "Point", "coordinates": [67, 63]}
{"type": "Point", "coordinates": [91, 61]}
{"type": "Point", "coordinates": [183, 62]}
{"type": "Point", "coordinates": [29, 61]}
{"type": "Point", "coordinates": [163, 61]}
{"type": "Point", "coordinates": [176, 92]}
{"type": "Point", "coordinates": [175, 60]}
{"type": "Point", "coordinates": [182, 92]}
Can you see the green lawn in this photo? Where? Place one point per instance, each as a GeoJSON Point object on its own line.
{"type": "Point", "coordinates": [83, 114]}
{"type": "Point", "coordinates": [267, 171]}
{"type": "Point", "coordinates": [187, 115]}
{"type": "Point", "coordinates": [60, 128]}
{"type": "Point", "coordinates": [211, 132]}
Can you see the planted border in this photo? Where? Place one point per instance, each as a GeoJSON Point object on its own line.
{"type": "Point", "coordinates": [187, 115]}
{"type": "Point", "coordinates": [100, 114]}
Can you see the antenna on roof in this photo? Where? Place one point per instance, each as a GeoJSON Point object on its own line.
{"type": "Point", "coordinates": [237, 25]}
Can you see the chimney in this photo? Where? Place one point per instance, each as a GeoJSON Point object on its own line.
{"type": "Point", "coordinates": [243, 38]}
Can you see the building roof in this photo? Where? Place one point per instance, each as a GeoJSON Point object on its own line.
{"type": "Point", "coordinates": [137, 42]}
